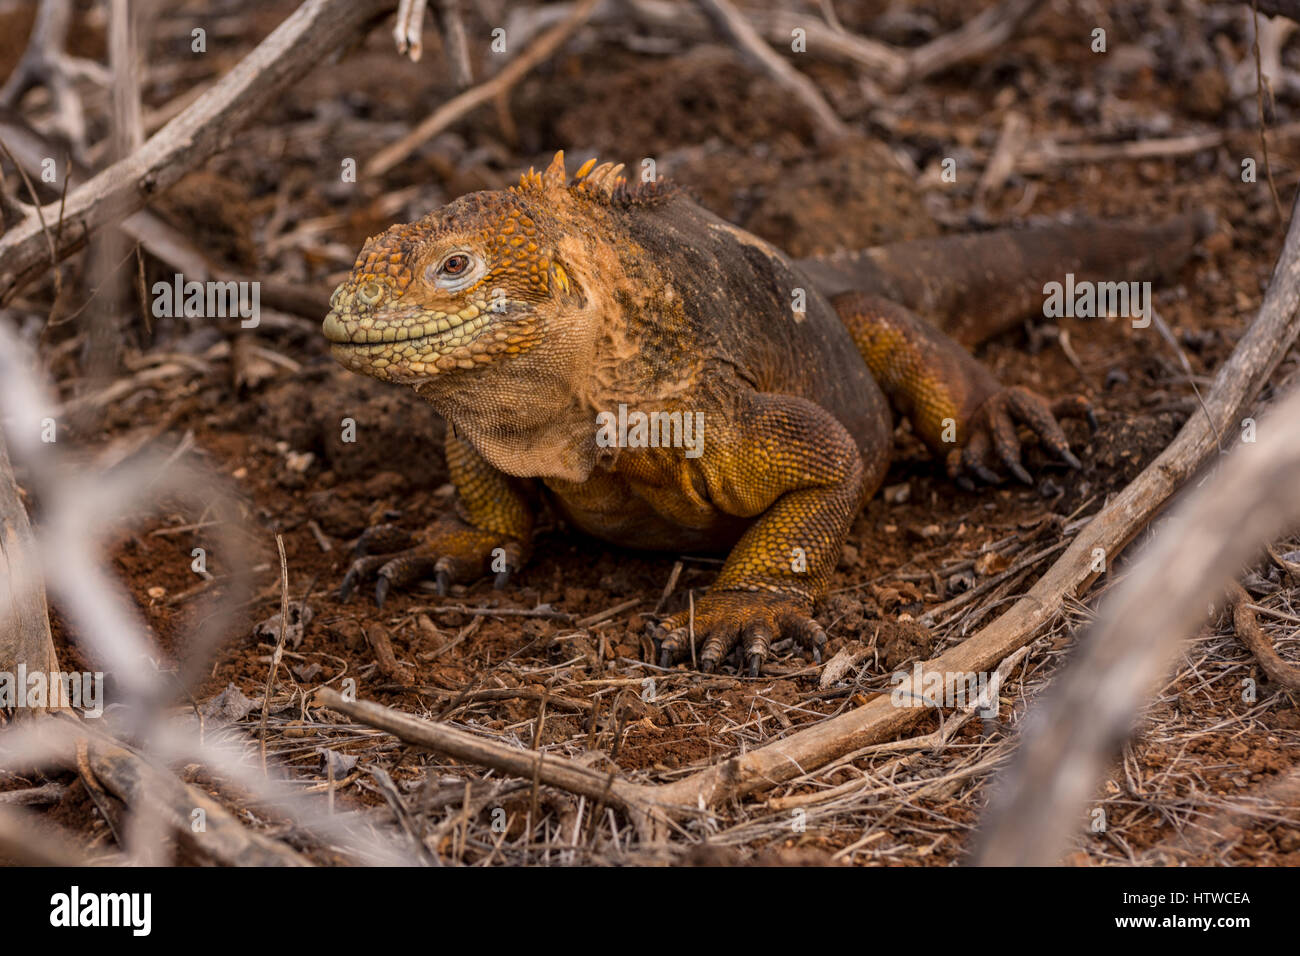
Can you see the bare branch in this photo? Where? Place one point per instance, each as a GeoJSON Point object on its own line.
{"type": "Point", "coordinates": [546, 46]}
{"type": "Point", "coordinates": [528, 764]}
{"type": "Point", "coordinates": [978, 36]}
{"type": "Point", "coordinates": [737, 28]}
{"type": "Point", "coordinates": [454, 44]}
{"type": "Point", "coordinates": [223, 838]}
{"type": "Point", "coordinates": [1252, 635]}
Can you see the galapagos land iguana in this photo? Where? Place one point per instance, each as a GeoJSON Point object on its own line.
{"type": "Point", "coordinates": [524, 314]}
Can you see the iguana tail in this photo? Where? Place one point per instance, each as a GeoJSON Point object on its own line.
{"type": "Point", "coordinates": [975, 286]}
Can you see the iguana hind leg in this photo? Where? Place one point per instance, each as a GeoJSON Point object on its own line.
{"type": "Point", "coordinates": [955, 405]}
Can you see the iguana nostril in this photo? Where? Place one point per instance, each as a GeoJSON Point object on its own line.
{"type": "Point", "coordinates": [334, 329]}
{"type": "Point", "coordinates": [370, 293]}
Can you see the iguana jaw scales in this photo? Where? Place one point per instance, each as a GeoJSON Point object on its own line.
{"type": "Point", "coordinates": [349, 327]}
{"type": "Point", "coordinates": [405, 344]}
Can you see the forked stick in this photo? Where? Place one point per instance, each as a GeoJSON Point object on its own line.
{"type": "Point", "coordinates": [737, 28]}
{"type": "Point", "coordinates": [458, 106]}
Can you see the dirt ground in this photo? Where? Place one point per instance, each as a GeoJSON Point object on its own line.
{"type": "Point", "coordinates": [272, 205]}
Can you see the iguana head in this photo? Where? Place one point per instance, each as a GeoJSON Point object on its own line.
{"type": "Point", "coordinates": [470, 285]}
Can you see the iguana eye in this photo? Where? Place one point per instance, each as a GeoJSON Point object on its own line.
{"type": "Point", "coordinates": [454, 271]}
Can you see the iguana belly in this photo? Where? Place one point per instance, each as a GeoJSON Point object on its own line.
{"type": "Point", "coordinates": [632, 514]}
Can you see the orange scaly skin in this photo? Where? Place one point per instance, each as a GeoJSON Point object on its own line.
{"type": "Point", "coordinates": [522, 315]}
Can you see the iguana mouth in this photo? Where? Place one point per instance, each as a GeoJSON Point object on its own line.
{"type": "Point", "coordinates": [415, 326]}
{"type": "Point", "coordinates": [403, 344]}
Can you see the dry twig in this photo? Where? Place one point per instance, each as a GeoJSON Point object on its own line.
{"type": "Point", "coordinates": [738, 29]}
{"type": "Point", "coordinates": [547, 45]}
{"type": "Point", "coordinates": [1280, 671]}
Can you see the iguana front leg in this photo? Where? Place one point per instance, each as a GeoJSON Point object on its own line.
{"type": "Point", "coordinates": [955, 405]}
{"type": "Point", "coordinates": [492, 531]}
{"type": "Point", "coordinates": [794, 468]}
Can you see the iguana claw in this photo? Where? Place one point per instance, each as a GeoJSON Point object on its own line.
{"type": "Point", "coordinates": [450, 551]}
{"type": "Point", "coordinates": [993, 439]}
{"type": "Point", "coordinates": [753, 619]}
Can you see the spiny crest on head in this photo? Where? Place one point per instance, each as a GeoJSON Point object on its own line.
{"type": "Point", "coordinates": [605, 182]}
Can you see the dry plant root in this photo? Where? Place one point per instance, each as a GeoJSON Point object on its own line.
{"type": "Point", "coordinates": [1252, 635]}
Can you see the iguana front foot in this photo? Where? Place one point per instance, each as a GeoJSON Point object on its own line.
{"type": "Point", "coordinates": [992, 432]}
{"type": "Point", "coordinates": [724, 618]}
{"type": "Point", "coordinates": [451, 551]}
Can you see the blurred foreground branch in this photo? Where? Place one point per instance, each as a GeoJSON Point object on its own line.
{"type": "Point", "coordinates": [24, 621]}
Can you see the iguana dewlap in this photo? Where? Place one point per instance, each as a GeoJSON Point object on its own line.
{"type": "Point", "coordinates": [530, 315]}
